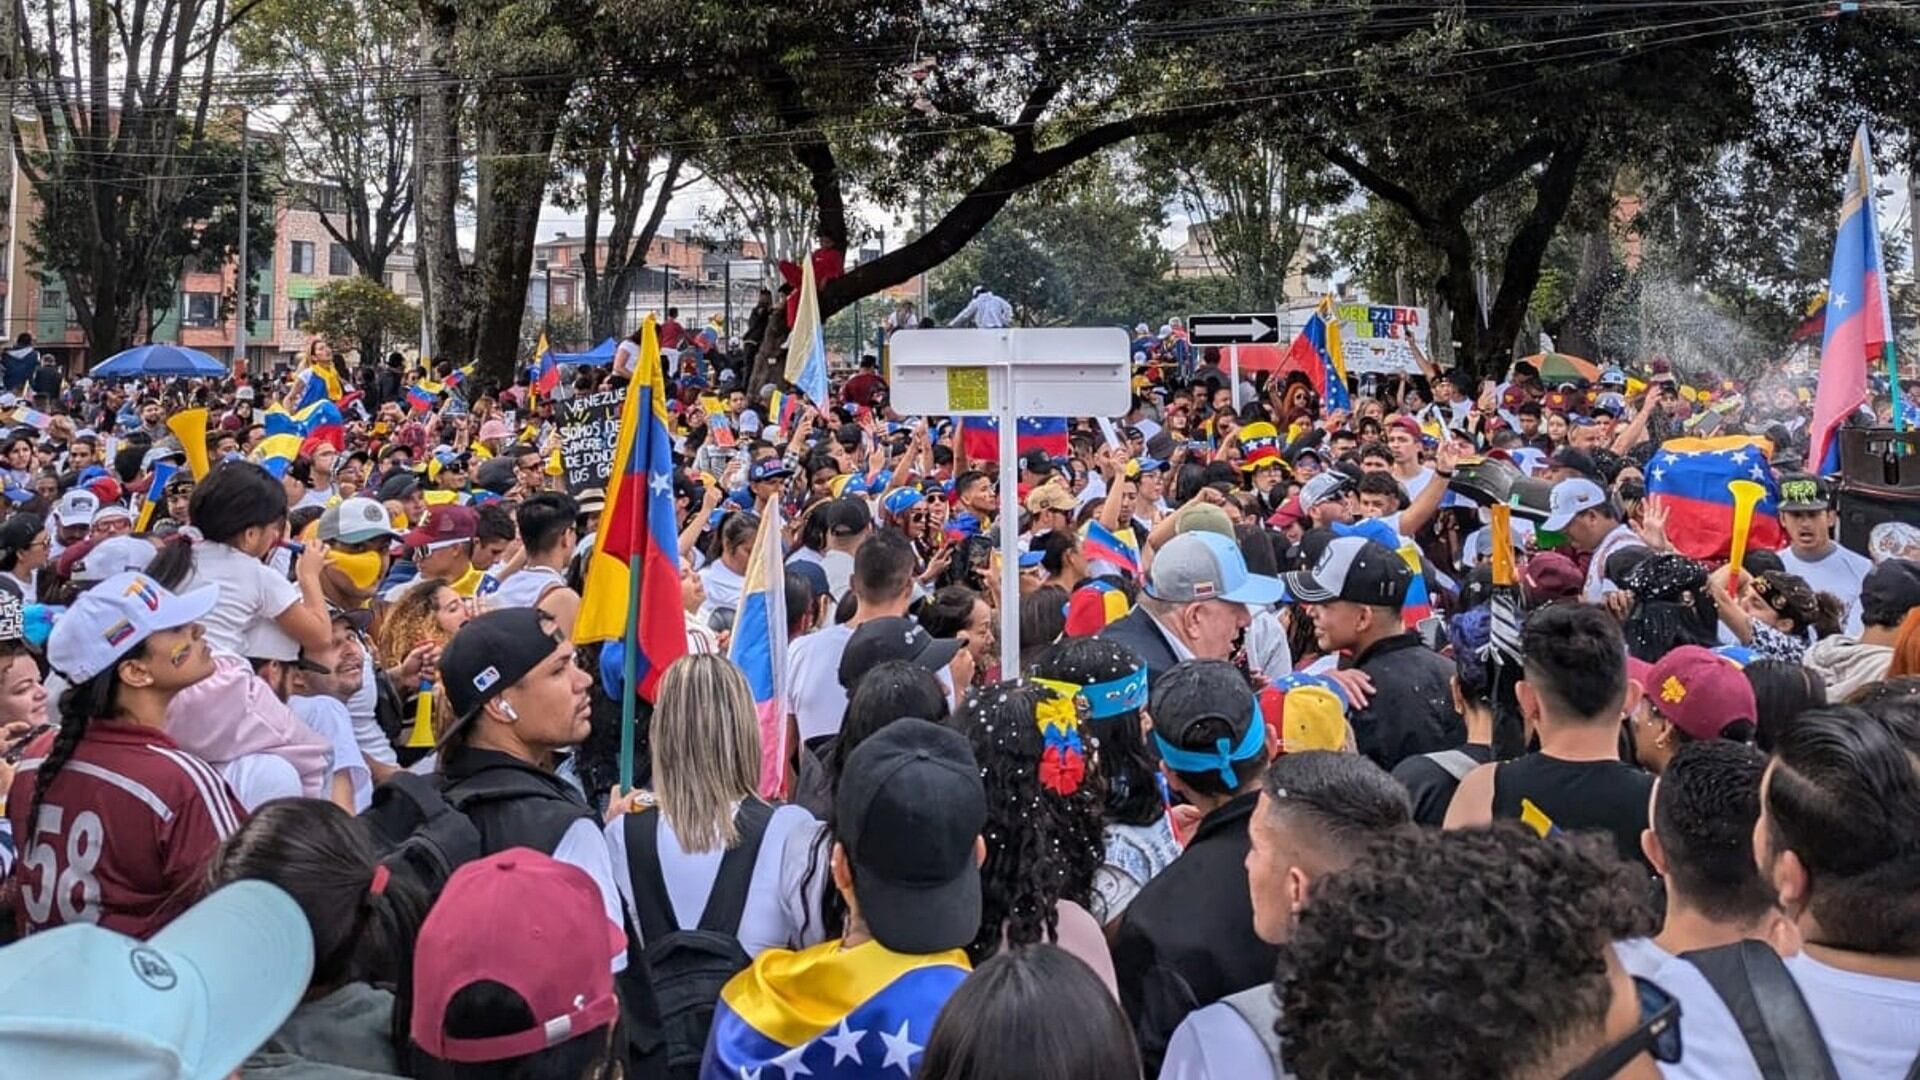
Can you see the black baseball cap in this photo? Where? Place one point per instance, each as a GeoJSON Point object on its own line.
{"type": "Point", "coordinates": [1889, 591]}
{"type": "Point", "coordinates": [1200, 690]}
{"type": "Point", "coordinates": [909, 812]}
{"type": "Point", "coordinates": [1037, 462]}
{"type": "Point", "coordinates": [893, 638]}
{"type": "Point", "coordinates": [1356, 570]}
{"type": "Point", "coordinates": [399, 486]}
{"type": "Point", "coordinates": [847, 516]}
{"type": "Point", "coordinates": [1804, 493]}
{"type": "Point", "coordinates": [489, 654]}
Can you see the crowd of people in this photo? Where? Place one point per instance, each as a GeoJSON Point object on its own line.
{"type": "Point", "coordinates": [1313, 764]}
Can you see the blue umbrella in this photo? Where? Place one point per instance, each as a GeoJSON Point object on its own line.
{"type": "Point", "coordinates": [157, 359]}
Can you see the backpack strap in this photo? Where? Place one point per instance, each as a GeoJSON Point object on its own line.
{"type": "Point", "coordinates": [653, 906]}
{"type": "Point", "coordinates": [1258, 1008]}
{"type": "Point", "coordinates": [1457, 763]}
{"type": "Point", "coordinates": [728, 900]}
{"type": "Point", "coordinates": [1767, 1004]}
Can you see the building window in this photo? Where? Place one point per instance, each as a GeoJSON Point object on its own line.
{"type": "Point", "coordinates": [202, 309]}
{"type": "Point", "coordinates": [301, 257]}
{"type": "Point", "coordinates": [52, 299]}
{"type": "Point", "coordinates": [562, 296]}
{"type": "Point", "coordinates": [263, 308]}
{"type": "Point", "coordinates": [299, 312]}
{"type": "Point", "coordinates": [339, 260]}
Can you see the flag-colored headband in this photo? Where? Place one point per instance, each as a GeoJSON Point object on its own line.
{"type": "Point", "coordinates": [1124, 693]}
{"type": "Point", "coordinates": [1221, 757]}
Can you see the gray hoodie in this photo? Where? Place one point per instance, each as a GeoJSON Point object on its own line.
{"type": "Point", "coordinates": [1847, 665]}
{"type": "Point", "coordinates": [346, 1035]}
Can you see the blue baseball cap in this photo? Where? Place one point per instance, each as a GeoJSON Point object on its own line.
{"type": "Point", "coordinates": [1150, 464]}
{"type": "Point", "coordinates": [901, 500]}
{"type": "Point", "coordinates": [1204, 565]}
{"type": "Point", "coordinates": [193, 1000]}
{"type": "Point", "coordinates": [1031, 559]}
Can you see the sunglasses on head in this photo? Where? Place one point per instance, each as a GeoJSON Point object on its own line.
{"type": "Point", "coordinates": [1658, 1033]}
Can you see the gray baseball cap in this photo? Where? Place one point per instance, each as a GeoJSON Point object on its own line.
{"type": "Point", "coordinates": [1204, 565]}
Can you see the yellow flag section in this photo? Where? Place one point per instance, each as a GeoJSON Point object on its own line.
{"type": "Point", "coordinates": [603, 604]}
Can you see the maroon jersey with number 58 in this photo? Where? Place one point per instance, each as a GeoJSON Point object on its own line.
{"type": "Point", "coordinates": [125, 830]}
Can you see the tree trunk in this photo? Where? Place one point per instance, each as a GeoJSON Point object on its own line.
{"type": "Point", "coordinates": [510, 183]}
{"type": "Point", "coordinates": [444, 281]}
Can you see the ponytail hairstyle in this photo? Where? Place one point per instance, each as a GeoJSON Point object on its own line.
{"type": "Point", "coordinates": [79, 705]}
{"type": "Point", "coordinates": [364, 919]}
{"type": "Point", "coordinates": [234, 497]}
{"type": "Point", "coordinates": [1796, 601]}
{"type": "Point", "coordinates": [16, 535]}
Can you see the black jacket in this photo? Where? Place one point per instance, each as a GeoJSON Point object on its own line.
{"type": "Point", "coordinates": [1137, 631]}
{"type": "Point", "coordinates": [1411, 711]}
{"type": "Point", "coordinates": [1187, 939]}
{"type": "Point", "coordinates": [512, 802]}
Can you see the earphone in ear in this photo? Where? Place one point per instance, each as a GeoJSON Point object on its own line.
{"type": "Point", "coordinates": [507, 707]}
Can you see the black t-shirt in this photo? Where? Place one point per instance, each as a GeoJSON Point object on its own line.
{"type": "Point", "coordinates": [1609, 796]}
{"type": "Point", "coordinates": [1431, 785]}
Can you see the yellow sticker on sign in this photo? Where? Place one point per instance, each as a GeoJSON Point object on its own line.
{"type": "Point", "coordinates": [966, 388]}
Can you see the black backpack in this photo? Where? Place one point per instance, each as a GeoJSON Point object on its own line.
{"type": "Point", "coordinates": [419, 835]}
{"type": "Point", "coordinates": [689, 967]}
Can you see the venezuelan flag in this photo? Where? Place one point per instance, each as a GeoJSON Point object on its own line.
{"type": "Point", "coordinates": [156, 493]}
{"type": "Point", "coordinates": [423, 395]}
{"type": "Point", "coordinates": [316, 384]}
{"type": "Point", "coordinates": [785, 409]}
{"type": "Point", "coordinates": [637, 532]}
{"type": "Point", "coordinates": [828, 1011]}
{"type": "Point", "coordinates": [759, 647]}
{"type": "Point", "coordinates": [546, 370]}
{"type": "Point", "coordinates": [1690, 477]}
{"type": "Point", "coordinates": [287, 432]}
{"type": "Point", "coordinates": [1858, 328]}
{"type": "Point", "coordinates": [1099, 544]}
{"type": "Point", "coordinates": [981, 435]}
{"type": "Point", "coordinates": [462, 374]}
{"type": "Point", "coordinates": [806, 345]}
{"type": "Point", "coordinates": [1316, 353]}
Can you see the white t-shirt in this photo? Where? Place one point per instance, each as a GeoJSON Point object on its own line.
{"type": "Point", "coordinates": [1839, 572]}
{"type": "Point", "coordinates": [252, 595]}
{"type": "Point", "coordinates": [626, 358]}
{"type": "Point", "coordinates": [813, 680]}
{"type": "Point", "coordinates": [261, 778]}
{"type": "Point", "coordinates": [1871, 1023]}
{"type": "Point", "coordinates": [780, 914]}
{"type": "Point", "coordinates": [839, 568]}
{"type": "Point", "coordinates": [373, 742]}
{"type": "Point", "coordinates": [524, 588]}
{"type": "Point", "coordinates": [1215, 1043]}
{"type": "Point", "coordinates": [1598, 584]}
{"type": "Point", "coordinates": [328, 717]}
{"type": "Point", "coordinates": [723, 586]}
{"type": "Point", "coordinates": [1417, 484]}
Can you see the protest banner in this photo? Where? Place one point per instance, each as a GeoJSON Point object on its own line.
{"type": "Point", "coordinates": [588, 428]}
{"type": "Point", "coordinates": [1374, 337]}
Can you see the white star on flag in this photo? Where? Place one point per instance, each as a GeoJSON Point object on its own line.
{"type": "Point", "coordinates": [900, 1050]}
{"type": "Point", "coordinates": [1659, 474]}
{"type": "Point", "coordinates": [661, 484]}
{"type": "Point", "coordinates": [845, 1043]}
{"type": "Point", "coordinates": [1670, 458]}
{"type": "Point", "coordinates": [790, 1062]}
{"type": "Point", "coordinates": [1757, 473]}
{"type": "Point", "coordinates": [1838, 300]}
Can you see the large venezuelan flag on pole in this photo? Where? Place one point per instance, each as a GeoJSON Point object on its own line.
{"type": "Point", "coordinates": [759, 647]}
{"type": "Point", "coordinates": [830, 1012]}
{"type": "Point", "coordinates": [638, 535]}
{"type": "Point", "coordinates": [1690, 477]}
{"type": "Point", "coordinates": [1859, 330]}
{"type": "Point", "coordinates": [1316, 353]}
{"type": "Point", "coordinates": [807, 344]}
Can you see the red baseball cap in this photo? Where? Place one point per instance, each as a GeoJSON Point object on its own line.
{"type": "Point", "coordinates": [516, 918]}
{"type": "Point", "coordinates": [445, 523]}
{"type": "Point", "coordinates": [1407, 424]}
{"type": "Point", "coordinates": [1699, 691]}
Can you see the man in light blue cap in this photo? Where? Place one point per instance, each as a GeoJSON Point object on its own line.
{"type": "Point", "coordinates": [190, 1002]}
{"type": "Point", "coordinates": [1194, 604]}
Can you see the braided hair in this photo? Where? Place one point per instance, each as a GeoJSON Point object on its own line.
{"type": "Point", "coordinates": [79, 704]}
{"type": "Point", "coordinates": [1043, 847]}
{"type": "Point", "coordinates": [1129, 768]}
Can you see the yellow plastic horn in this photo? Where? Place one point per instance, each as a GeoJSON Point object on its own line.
{"type": "Point", "coordinates": [1746, 495]}
{"type": "Point", "coordinates": [190, 427]}
{"type": "Point", "coordinates": [1501, 529]}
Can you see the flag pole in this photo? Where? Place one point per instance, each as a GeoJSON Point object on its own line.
{"type": "Point", "coordinates": [629, 673]}
{"type": "Point", "coordinates": [1893, 385]}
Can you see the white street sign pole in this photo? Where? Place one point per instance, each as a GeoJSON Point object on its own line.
{"type": "Point", "coordinates": [1009, 525]}
{"type": "Point", "coordinates": [1233, 374]}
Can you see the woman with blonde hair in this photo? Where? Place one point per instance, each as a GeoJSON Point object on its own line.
{"type": "Point", "coordinates": [707, 850]}
{"type": "Point", "coordinates": [427, 613]}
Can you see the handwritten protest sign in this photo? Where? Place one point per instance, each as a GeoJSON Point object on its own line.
{"type": "Point", "coordinates": [1374, 337]}
{"type": "Point", "coordinates": [588, 428]}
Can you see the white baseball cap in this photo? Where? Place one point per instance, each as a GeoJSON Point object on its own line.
{"type": "Point", "coordinates": [107, 621]}
{"type": "Point", "coordinates": [356, 521]}
{"type": "Point", "coordinates": [114, 555]}
{"type": "Point", "coordinates": [76, 507]}
{"type": "Point", "coordinates": [1198, 566]}
{"type": "Point", "coordinates": [1569, 498]}
{"type": "Point", "coordinates": [1324, 486]}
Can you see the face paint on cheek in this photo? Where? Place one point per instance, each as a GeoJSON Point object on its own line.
{"type": "Point", "coordinates": [181, 653]}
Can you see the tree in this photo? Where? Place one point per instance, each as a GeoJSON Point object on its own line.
{"type": "Point", "coordinates": [494, 78]}
{"type": "Point", "coordinates": [341, 73]}
{"type": "Point", "coordinates": [620, 158]}
{"type": "Point", "coordinates": [1080, 250]}
{"type": "Point", "coordinates": [363, 311]}
{"type": "Point", "coordinates": [566, 331]}
{"type": "Point", "coordinates": [134, 172]}
{"type": "Point", "coordinates": [1254, 195]}
{"type": "Point", "coordinates": [966, 104]}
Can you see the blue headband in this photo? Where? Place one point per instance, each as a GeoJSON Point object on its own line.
{"type": "Point", "coordinates": [1221, 757]}
{"type": "Point", "coordinates": [1128, 693]}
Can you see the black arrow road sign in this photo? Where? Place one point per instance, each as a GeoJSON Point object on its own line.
{"type": "Point", "coordinates": [1253, 329]}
